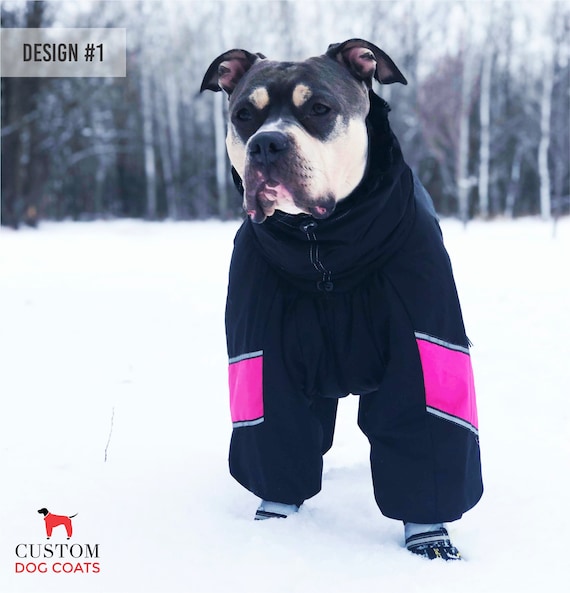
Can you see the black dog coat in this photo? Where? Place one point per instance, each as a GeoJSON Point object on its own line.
{"type": "Point", "coordinates": [363, 302]}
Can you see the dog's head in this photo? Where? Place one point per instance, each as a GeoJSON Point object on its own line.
{"type": "Point", "coordinates": [43, 512]}
{"type": "Point", "coordinates": [297, 135]}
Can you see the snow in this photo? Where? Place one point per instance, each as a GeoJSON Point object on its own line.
{"type": "Point", "coordinates": [112, 340]}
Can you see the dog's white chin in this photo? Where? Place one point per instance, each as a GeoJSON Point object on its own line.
{"type": "Point", "coordinates": [290, 208]}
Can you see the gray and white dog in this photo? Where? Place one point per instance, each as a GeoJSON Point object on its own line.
{"type": "Point", "coordinates": [340, 284]}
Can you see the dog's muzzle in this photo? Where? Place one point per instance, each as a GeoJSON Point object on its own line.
{"type": "Point", "coordinates": [266, 154]}
{"type": "Point", "coordinates": [270, 183]}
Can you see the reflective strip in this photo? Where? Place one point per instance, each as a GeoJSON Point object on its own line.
{"type": "Point", "coordinates": [454, 419]}
{"type": "Point", "coordinates": [245, 356]}
{"type": "Point", "coordinates": [264, 515]}
{"type": "Point", "coordinates": [439, 342]}
{"type": "Point", "coordinates": [245, 377]}
{"type": "Point", "coordinates": [428, 538]}
{"type": "Point", "coordinates": [448, 381]}
{"type": "Point", "coordinates": [247, 423]}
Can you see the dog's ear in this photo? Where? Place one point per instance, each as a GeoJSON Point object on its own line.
{"type": "Point", "coordinates": [227, 70]}
{"type": "Point", "coordinates": [366, 61]}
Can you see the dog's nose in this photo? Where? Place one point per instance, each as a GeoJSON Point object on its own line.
{"type": "Point", "coordinates": [266, 147]}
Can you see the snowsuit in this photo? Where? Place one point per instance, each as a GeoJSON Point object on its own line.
{"type": "Point", "coordinates": [364, 303]}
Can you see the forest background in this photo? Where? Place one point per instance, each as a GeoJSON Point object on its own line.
{"type": "Point", "coordinates": [484, 120]}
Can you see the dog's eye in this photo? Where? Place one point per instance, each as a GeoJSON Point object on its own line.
{"type": "Point", "coordinates": [319, 109]}
{"type": "Point", "coordinates": [244, 114]}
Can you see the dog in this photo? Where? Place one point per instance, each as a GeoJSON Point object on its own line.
{"type": "Point", "coordinates": [55, 520]}
{"type": "Point", "coordinates": [340, 284]}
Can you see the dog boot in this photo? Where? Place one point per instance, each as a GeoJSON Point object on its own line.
{"type": "Point", "coordinates": [430, 541]}
{"type": "Point", "coordinates": [274, 510]}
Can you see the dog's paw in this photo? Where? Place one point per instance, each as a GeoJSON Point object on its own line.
{"type": "Point", "coordinates": [432, 545]}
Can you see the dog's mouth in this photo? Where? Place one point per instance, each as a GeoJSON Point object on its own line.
{"type": "Point", "coordinates": [264, 196]}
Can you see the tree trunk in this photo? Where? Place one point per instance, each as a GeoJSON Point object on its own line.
{"type": "Point", "coordinates": [165, 159]}
{"type": "Point", "coordinates": [172, 100]}
{"type": "Point", "coordinates": [485, 120]}
{"type": "Point", "coordinates": [511, 199]}
{"type": "Point", "coordinates": [560, 137]}
{"type": "Point", "coordinates": [221, 158]}
{"type": "Point", "coordinates": [545, 112]}
{"type": "Point", "coordinates": [464, 182]}
{"type": "Point", "coordinates": [146, 68]}
{"type": "Point", "coordinates": [148, 141]}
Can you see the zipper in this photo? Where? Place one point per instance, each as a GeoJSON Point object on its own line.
{"type": "Point", "coordinates": [325, 284]}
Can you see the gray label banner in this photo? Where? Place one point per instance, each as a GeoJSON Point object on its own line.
{"type": "Point", "coordinates": [47, 53]}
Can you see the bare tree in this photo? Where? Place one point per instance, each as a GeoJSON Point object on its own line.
{"type": "Point", "coordinates": [485, 117]}
{"type": "Point", "coordinates": [221, 158]}
{"type": "Point", "coordinates": [560, 133]}
{"type": "Point", "coordinates": [164, 147]}
{"type": "Point", "coordinates": [544, 146]}
{"type": "Point", "coordinates": [464, 180]}
{"type": "Point", "coordinates": [147, 108]}
{"type": "Point", "coordinates": [556, 47]}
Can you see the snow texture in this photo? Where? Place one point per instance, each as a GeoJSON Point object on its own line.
{"type": "Point", "coordinates": [112, 342]}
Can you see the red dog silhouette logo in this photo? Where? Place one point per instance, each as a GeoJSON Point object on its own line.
{"type": "Point", "coordinates": [55, 520]}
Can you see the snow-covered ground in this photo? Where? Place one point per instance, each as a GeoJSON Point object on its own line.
{"type": "Point", "coordinates": [112, 341]}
